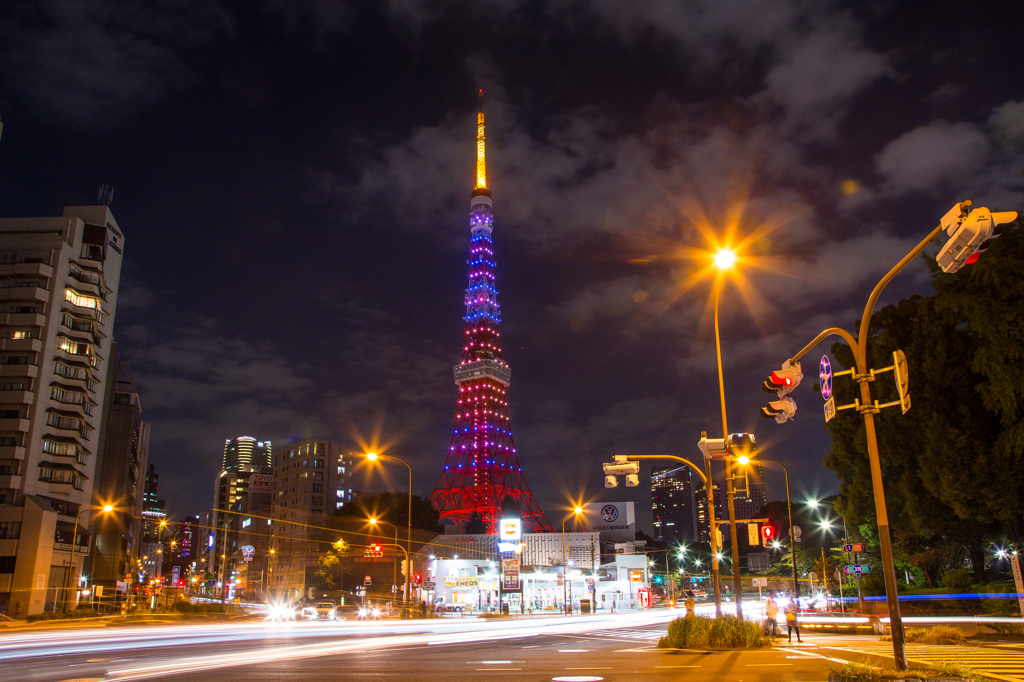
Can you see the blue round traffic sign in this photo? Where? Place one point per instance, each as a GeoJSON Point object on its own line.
{"type": "Point", "coordinates": [825, 375]}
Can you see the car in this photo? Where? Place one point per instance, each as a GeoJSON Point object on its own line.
{"type": "Point", "coordinates": [325, 610]}
{"type": "Point", "coordinates": [440, 605]}
{"type": "Point", "coordinates": [369, 612]}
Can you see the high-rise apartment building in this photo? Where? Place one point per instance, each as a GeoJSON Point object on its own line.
{"type": "Point", "coordinates": [154, 516]}
{"type": "Point", "coordinates": [673, 505]}
{"type": "Point", "coordinates": [311, 481]}
{"type": "Point", "coordinates": [246, 452]}
{"type": "Point", "coordinates": [58, 295]}
{"type": "Point", "coordinates": [750, 495]}
{"type": "Point", "coordinates": [122, 459]}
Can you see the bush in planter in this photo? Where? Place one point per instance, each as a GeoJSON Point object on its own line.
{"type": "Point", "coordinates": [938, 634]}
{"type": "Point", "coordinates": [702, 632]}
{"type": "Point", "coordinates": [183, 606]}
{"type": "Point", "coordinates": [850, 671]}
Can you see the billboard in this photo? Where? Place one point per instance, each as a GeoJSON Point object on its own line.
{"type": "Point", "coordinates": [263, 481]}
{"type": "Point", "coordinates": [615, 521]}
{"type": "Point", "coordinates": [510, 581]}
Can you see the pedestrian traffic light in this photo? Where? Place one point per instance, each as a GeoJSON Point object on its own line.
{"type": "Point", "coordinates": [969, 234]}
{"type": "Point", "coordinates": [419, 578]}
{"type": "Point", "coordinates": [782, 382]}
{"type": "Point", "coordinates": [767, 535]}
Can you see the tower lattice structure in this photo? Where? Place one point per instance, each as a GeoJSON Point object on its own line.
{"type": "Point", "coordinates": [482, 467]}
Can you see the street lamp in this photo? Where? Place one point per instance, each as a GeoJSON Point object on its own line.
{"type": "Point", "coordinates": [106, 509]}
{"type": "Point", "coordinates": [725, 259]}
{"type": "Point", "coordinates": [373, 457]}
{"type": "Point", "coordinates": [565, 566]}
{"type": "Point", "coordinates": [373, 522]}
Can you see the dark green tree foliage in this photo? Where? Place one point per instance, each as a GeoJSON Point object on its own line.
{"type": "Point", "coordinates": [475, 525]}
{"type": "Point", "coordinates": [393, 507]}
{"type": "Point", "coordinates": [952, 464]}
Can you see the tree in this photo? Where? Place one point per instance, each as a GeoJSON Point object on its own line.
{"type": "Point", "coordinates": [333, 564]}
{"type": "Point", "coordinates": [394, 508]}
{"type": "Point", "coordinates": [476, 525]}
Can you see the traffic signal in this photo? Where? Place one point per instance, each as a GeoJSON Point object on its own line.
{"type": "Point", "coordinates": [970, 233]}
{"type": "Point", "coordinates": [621, 467]}
{"type": "Point", "coordinates": [419, 578]}
{"type": "Point", "coordinates": [767, 535]}
{"type": "Point", "coordinates": [376, 548]}
{"type": "Point", "coordinates": [782, 382]}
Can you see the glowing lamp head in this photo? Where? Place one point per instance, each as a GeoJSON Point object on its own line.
{"type": "Point", "coordinates": [743, 459]}
{"type": "Point", "coordinates": [108, 508]}
{"type": "Point", "coordinates": [725, 259]}
{"type": "Point", "coordinates": [372, 456]}
{"type": "Point", "coordinates": [578, 510]}
{"type": "Point", "coordinates": [813, 504]}
{"type": "Point", "coordinates": [373, 522]}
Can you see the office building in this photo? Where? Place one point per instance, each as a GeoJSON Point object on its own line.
{"type": "Point", "coordinates": [311, 481]}
{"type": "Point", "coordinates": [246, 453]}
{"type": "Point", "coordinates": [58, 295]}
{"type": "Point", "coordinates": [123, 453]}
{"type": "Point", "coordinates": [673, 505]}
{"type": "Point", "coordinates": [154, 528]}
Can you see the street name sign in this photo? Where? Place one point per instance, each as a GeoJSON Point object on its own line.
{"type": "Point", "coordinates": [853, 548]}
{"type": "Point", "coordinates": [830, 409]}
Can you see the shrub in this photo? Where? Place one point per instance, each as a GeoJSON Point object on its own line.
{"type": "Point", "coordinates": [937, 634]}
{"type": "Point", "coordinates": [702, 632]}
{"type": "Point", "coordinates": [957, 580]}
{"type": "Point", "coordinates": [851, 671]}
{"type": "Point", "coordinates": [183, 606]}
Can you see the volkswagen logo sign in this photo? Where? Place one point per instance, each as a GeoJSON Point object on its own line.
{"type": "Point", "coordinates": [609, 512]}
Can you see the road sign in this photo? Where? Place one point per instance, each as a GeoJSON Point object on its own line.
{"type": "Point", "coordinates": [857, 569]}
{"type": "Point", "coordinates": [760, 582]}
{"type": "Point", "coordinates": [560, 579]}
{"type": "Point", "coordinates": [1018, 580]}
{"type": "Point", "coordinates": [853, 548]}
{"type": "Point", "coordinates": [825, 376]}
{"type": "Point", "coordinates": [900, 372]}
{"type": "Point", "coordinates": [795, 533]}
{"type": "Point", "coordinates": [830, 409]}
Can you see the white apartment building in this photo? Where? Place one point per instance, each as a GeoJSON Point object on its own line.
{"type": "Point", "coordinates": [58, 294]}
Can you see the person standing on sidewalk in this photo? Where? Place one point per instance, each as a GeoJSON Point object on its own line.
{"type": "Point", "coordinates": [791, 621]}
{"type": "Point", "coordinates": [771, 609]}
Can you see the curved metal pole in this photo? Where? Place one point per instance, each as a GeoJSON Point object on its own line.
{"type": "Point", "coordinates": [408, 538]}
{"type": "Point", "coordinates": [708, 485]}
{"type": "Point", "coordinates": [730, 493]}
{"type": "Point", "coordinates": [789, 511]}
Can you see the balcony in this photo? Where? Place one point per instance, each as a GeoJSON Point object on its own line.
{"type": "Point", "coordinates": [27, 294]}
{"type": "Point", "coordinates": [26, 371]}
{"type": "Point", "coordinates": [12, 452]}
{"type": "Point", "coordinates": [26, 397]}
{"type": "Point", "coordinates": [21, 345]}
{"type": "Point", "coordinates": [20, 425]}
{"type": "Point", "coordinates": [23, 319]}
{"type": "Point", "coordinates": [10, 481]}
{"type": "Point", "coordinates": [26, 269]}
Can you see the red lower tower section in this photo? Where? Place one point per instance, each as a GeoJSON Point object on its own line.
{"type": "Point", "coordinates": [482, 468]}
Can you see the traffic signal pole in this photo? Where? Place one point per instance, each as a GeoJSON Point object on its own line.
{"type": "Point", "coordinates": [868, 409]}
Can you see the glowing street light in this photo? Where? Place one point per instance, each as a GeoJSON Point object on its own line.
{"type": "Point", "coordinates": [725, 259]}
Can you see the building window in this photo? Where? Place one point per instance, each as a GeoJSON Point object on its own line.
{"type": "Point", "coordinates": [23, 310]}
{"type": "Point", "coordinates": [64, 449]}
{"type": "Point", "coordinates": [7, 564]}
{"type": "Point", "coordinates": [51, 474]}
{"type": "Point", "coordinates": [13, 386]}
{"type": "Point", "coordinates": [9, 530]}
{"type": "Point", "coordinates": [318, 488]}
{"type": "Point", "coordinates": [318, 501]}
{"type": "Point", "coordinates": [69, 372]}
{"type": "Point", "coordinates": [8, 441]}
{"type": "Point", "coordinates": [318, 464]}
{"type": "Point", "coordinates": [318, 475]}
{"type": "Point", "coordinates": [82, 300]}
{"type": "Point", "coordinates": [21, 335]}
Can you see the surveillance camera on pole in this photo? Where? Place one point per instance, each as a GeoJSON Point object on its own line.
{"type": "Point", "coordinates": [782, 382]}
{"type": "Point", "coordinates": [970, 233]}
{"type": "Point", "coordinates": [621, 467]}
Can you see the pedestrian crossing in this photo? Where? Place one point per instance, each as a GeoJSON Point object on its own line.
{"type": "Point", "coordinates": [997, 663]}
{"type": "Point", "coordinates": [638, 634]}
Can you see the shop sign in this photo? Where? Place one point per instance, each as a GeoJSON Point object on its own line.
{"type": "Point", "coordinates": [636, 576]}
{"type": "Point", "coordinates": [464, 583]}
{"type": "Point", "coordinates": [510, 581]}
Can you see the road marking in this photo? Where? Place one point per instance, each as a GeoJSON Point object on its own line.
{"type": "Point", "coordinates": [577, 678]}
{"type": "Point", "coordinates": [592, 668]}
{"type": "Point", "coordinates": [677, 666]}
{"type": "Point", "coordinates": [489, 670]}
{"type": "Point", "coordinates": [493, 662]}
{"type": "Point", "coordinates": [999, 664]}
{"type": "Point", "coordinates": [764, 665]}
{"type": "Point", "coordinates": [573, 651]}
{"type": "Point", "coordinates": [532, 646]}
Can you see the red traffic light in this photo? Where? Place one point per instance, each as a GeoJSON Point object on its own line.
{"type": "Point", "coordinates": [767, 535]}
{"type": "Point", "coordinates": [376, 548]}
{"type": "Point", "coordinates": [769, 532]}
{"type": "Point", "coordinates": [419, 578]}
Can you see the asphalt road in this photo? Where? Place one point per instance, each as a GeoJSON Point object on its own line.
{"type": "Point", "coordinates": [620, 647]}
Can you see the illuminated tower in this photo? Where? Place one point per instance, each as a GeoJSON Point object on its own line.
{"type": "Point", "coordinates": [482, 468]}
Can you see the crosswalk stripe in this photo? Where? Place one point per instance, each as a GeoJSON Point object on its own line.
{"type": "Point", "coordinates": [998, 664]}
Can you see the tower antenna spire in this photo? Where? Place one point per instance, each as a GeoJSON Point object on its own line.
{"type": "Point", "coordinates": [481, 161]}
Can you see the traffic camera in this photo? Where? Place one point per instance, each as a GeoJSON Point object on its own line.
{"type": "Point", "coordinates": [970, 233]}
{"type": "Point", "coordinates": [782, 382]}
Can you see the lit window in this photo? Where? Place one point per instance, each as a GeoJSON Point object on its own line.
{"type": "Point", "coordinates": [21, 335]}
{"type": "Point", "coordinates": [81, 300]}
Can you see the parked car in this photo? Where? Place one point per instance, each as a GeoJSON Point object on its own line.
{"type": "Point", "coordinates": [441, 605]}
{"type": "Point", "coordinates": [325, 610]}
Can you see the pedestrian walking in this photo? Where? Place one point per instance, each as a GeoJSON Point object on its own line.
{"type": "Point", "coordinates": [771, 609]}
{"type": "Point", "coordinates": [791, 620]}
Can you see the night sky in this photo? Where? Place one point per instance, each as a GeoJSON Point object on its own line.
{"type": "Point", "coordinates": [293, 182]}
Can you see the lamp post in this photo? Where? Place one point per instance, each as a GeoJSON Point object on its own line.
{"type": "Point", "coordinates": [373, 522]}
{"type": "Point", "coordinates": [565, 566]}
{"type": "Point", "coordinates": [373, 457]}
{"type": "Point", "coordinates": [724, 260]}
{"type": "Point", "coordinates": [106, 509]}
{"type": "Point", "coordinates": [789, 512]}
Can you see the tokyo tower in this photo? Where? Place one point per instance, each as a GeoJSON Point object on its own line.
{"type": "Point", "coordinates": [482, 467]}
